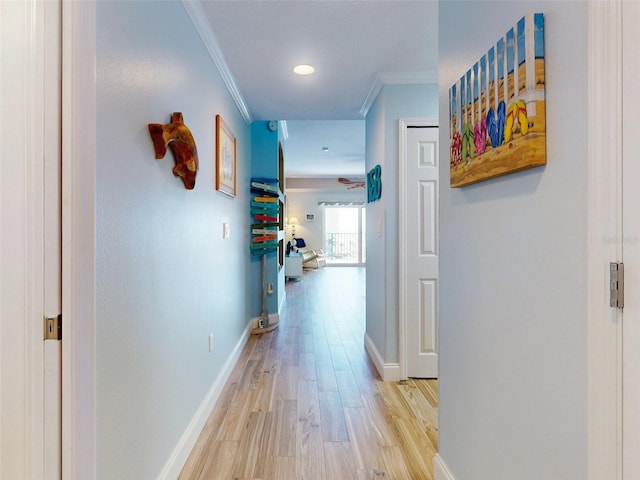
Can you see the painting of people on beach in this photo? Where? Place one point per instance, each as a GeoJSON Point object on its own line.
{"type": "Point", "coordinates": [497, 109]}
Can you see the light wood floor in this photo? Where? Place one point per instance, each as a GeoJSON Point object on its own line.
{"type": "Point", "coordinates": [305, 402]}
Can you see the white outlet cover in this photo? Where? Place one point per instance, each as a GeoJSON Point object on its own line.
{"type": "Point", "coordinates": [210, 342]}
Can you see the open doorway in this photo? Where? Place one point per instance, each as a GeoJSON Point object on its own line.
{"type": "Point", "coordinates": [344, 234]}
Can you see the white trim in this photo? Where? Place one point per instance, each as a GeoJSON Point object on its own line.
{"type": "Point", "coordinates": [185, 445]}
{"type": "Point", "coordinates": [371, 96]}
{"type": "Point", "coordinates": [604, 166]}
{"type": "Point", "coordinates": [34, 245]}
{"type": "Point", "coordinates": [403, 124]}
{"type": "Point", "coordinates": [390, 372]}
{"type": "Point", "coordinates": [23, 137]}
{"type": "Point", "coordinates": [440, 469]}
{"type": "Point", "coordinates": [395, 78]}
{"type": "Point", "coordinates": [34, 134]}
{"type": "Point", "coordinates": [284, 129]}
{"type": "Point", "coordinates": [402, 254]}
{"type": "Point", "coordinates": [78, 239]}
{"type": "Point", "coordinates": [203, 27]}
{"type": "Point", "coordinates": [52, 248]}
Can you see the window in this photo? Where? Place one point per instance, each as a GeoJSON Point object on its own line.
{"type": "Point", "coordinates": [344, 233]}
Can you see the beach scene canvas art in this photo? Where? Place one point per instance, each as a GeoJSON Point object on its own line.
{"type": "Point", "coordinates": [497, 108]}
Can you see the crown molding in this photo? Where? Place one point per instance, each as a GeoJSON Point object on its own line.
{"type": "Point", "coordinates": [203, 27]}
{"type": "Point", "coordinates": [371, 97]}
{"type": "Point", "coordinates": [395, 78]}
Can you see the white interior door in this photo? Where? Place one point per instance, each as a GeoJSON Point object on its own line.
{"type": "Point", "coordinates": [418, 280]}
{"type": "Point", "coordinates": [631, 242]}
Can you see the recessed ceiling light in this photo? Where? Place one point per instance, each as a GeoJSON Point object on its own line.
{"type": "Point", "coordinates": [304, 69]}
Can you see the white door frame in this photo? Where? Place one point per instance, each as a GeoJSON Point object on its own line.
{"type": "Point", "coordinates": [52, 74]}
{"type": "Point", "coordinates": [22, 44]}
{"type": "Point", "coordinates": [604, 164]}
{"type": "Point", "coordinates": [403, 124]}
{"type": "Point", "coordinates": [78, 239]}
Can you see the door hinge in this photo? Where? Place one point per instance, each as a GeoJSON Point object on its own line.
{"type": "Point", "coordinates": [53, 328]}
{"type": "Point", "coordinates": [616, 284]}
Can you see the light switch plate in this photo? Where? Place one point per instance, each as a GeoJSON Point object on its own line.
{"type": "Point", "coordinates": [226, 231]}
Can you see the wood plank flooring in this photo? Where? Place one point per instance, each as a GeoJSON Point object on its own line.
{"type": "Point", "coordinates": [305, 402]}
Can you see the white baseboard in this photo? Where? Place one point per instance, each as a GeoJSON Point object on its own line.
{"type": "Point", "coordinates": [440, 469]}
{"type": "Point", "coordinates": [390, 372]}
{"type": "Point", "coordinates": [176, 461]}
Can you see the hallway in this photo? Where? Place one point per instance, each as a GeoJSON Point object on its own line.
{"type": "Point", "coordinates": [305, 402]}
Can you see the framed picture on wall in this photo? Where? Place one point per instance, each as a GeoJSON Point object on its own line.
{"type": "Point", "coordinates": [225, 158]}
{"type": "Point", "coordinates": [497, 110]}
{"type": "Point", "coordinates": [311, 217]}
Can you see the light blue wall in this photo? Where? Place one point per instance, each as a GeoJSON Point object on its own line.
{"type": "Point", "coordinates": [165, 278]}
{"type": "Point", "coordinates": [513, 280]}
{"type": "Point", "coordinates": [393, 103]}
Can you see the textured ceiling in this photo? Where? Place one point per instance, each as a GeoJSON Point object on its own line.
{"type": "Point", "coordinates": [343, 138]}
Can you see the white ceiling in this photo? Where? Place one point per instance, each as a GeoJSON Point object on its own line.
{"type": "Point", "coordinates": [307, 138]}
{"type": "Point", "coordinates": [355, 46]}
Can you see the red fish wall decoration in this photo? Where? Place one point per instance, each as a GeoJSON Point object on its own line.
{"type": "Point", "coordinates": [177, 136]}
